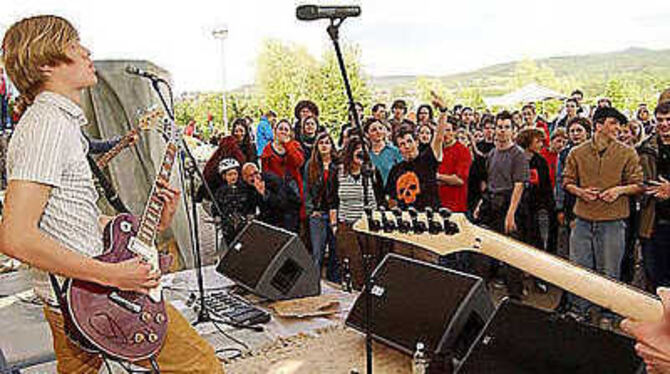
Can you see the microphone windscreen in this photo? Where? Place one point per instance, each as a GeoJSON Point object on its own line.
{"type": "Point", "coordinates": [306, 12]}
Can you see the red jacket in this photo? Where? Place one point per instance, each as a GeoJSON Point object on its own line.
{"type": "Point", "coordinates": [290, 162]}
{"type": "Point", "coordinates": [456, 159]}
{"type": "Point", "coordinates": [543, 126]}
{"type": "Point", "coordinates": [552, 162]}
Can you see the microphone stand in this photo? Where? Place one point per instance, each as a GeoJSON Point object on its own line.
{"type": "Point", "coordinates": [185, 151]}
{"type": "Point", "coordinates": [334, 33]}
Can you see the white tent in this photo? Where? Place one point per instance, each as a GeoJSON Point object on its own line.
{"type": "Point", "coordinates": [530, 92]}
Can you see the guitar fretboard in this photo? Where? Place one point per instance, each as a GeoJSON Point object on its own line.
{"type": "Point", "coordinates": [109, 155]}
{"type": "Point", "coordinates": [154, 207]}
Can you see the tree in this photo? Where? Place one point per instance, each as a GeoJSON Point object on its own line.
{"type": "Point", "coordinates": [328, 90]}
{"type": "Point", "coordinates": [425, 85]}
{"type": "Point", "coordinates": [286, 74]}
{"type": "Point", "coordinates": [283, 75]}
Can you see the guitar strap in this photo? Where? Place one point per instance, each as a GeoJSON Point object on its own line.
{"type": "Point", "coordinates": [58, 291]}
{"type": "Point", "coordinates": [107, 188]}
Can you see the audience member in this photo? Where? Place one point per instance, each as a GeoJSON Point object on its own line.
{"type": "Point", "coordinates": [351, 192]}
{"type": "Point", "coordinates": [383, 154]}
{"type": "Point", "coordinates": [500, 210]}
{"type": "Point", "coordinates": [654, 227]}
{"type": "Point", "coordinates": [413, 181]}
{"type": "Point", "coordinates": [322, 202]}
{"type": "Point", "coordinates": [452, 174]}
{"type": "Point", "coordinates": [264, 132]}
{"type": "Point", "coordinates": [601, 173]}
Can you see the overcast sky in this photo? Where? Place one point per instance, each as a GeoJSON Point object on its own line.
{"type": "Point", "coordinates": [429, 37]}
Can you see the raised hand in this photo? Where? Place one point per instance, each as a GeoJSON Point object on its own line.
{"type": "Point", "coordinates": [437, 101]}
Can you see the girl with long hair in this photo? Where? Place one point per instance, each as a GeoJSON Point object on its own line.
{"type": "Point", "coordinates": [322, 201]}
{"type": "Point", "coordinates": [351, 194]}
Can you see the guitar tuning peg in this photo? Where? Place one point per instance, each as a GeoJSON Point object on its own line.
{"type": "Point", "coordinates": [444, 212]}
{"type": "Point", "coordinates": [412, 212]}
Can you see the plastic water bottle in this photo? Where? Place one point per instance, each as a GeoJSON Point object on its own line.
{"type": "Point", "coordinates": [420, 361]}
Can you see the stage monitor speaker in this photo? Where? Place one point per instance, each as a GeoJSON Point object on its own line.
{"type": "Point", "coordinates": [521, 339]}
{"type": "Point", "coordinates": [270, 262]}
{"type": "Point", "coordinates": [414, 301]}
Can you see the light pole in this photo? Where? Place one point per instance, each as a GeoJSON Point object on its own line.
{"type": "Point", "coordinates": [221, 33]}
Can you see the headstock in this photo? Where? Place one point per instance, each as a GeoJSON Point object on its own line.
{"type": "Point", "coordinates": [441, 232]}
{"type": "Point", "coordinates": [150, 118]}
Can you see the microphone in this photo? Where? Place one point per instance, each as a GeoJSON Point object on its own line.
{"type": "Point", "coordinates": [134, 70]}
{"type": "Point", "coordinates": [312, 12]}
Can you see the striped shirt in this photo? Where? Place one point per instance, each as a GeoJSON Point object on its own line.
{"type": "Point", "coordinates": [351, 197]}
{"type": "Point", "coordinates": [48, 147]}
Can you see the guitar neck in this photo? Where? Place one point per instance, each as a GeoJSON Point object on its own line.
{"type": "Point", "coordinates": [599, 289]}
{"type": "Point", "coordinates": [154, 207]}
{"type": "Point", "coordinates": [109, 155]}
{"type": "Point", "coordinates": [606, 292]}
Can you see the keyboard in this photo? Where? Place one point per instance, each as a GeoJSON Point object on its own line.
{"type": "Point", "coordinates": [235, 309]}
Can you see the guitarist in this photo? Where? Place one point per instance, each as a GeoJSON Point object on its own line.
{"type": "Point", "coordinates": [51, 220]}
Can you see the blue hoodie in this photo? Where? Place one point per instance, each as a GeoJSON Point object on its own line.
{"type": "Point", "coordinates": [264, 135]}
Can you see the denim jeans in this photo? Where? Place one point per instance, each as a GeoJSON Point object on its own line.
{"type": "Point", "coordinates": [656, 256]}
{"type": "Point", "coordinates": [321, 235]}
{"type": "Point", "coordinates": [599, 246]}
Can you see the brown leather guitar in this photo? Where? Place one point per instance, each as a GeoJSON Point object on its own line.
{"type": "Point", "coordinates": [125, 325]}
{"type": "Point", "coordinates": [448, 233]}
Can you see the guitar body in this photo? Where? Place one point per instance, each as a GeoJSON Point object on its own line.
{"type": "Point", "coordinates": [122, 324]}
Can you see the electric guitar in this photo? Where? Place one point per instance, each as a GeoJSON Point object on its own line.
{"type": "Point", "coordinates": [147, 120]}
{"type": "Point", "coordinates": [123, 324]}
{"type": "Point", "coordinates": [443, 233]}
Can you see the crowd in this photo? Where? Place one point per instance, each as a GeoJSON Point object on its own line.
{"type": "Point", "coordinates": [588, 185]}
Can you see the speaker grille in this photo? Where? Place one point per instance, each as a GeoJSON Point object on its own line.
{"type": "Point", "coordinates": [521, 339]}
{"type": "Point", "coordinates": [412, 301]}
{"type": "Point", "coordinates": [251, 251]}
{"type": "Point", "coordinates": [286, 277]}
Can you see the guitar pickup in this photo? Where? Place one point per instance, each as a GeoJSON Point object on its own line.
{"type": "Point", "coordinates": [125, 303]}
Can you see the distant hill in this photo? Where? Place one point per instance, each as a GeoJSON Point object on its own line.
{"type": "Point", "coordinates": [594, 68]}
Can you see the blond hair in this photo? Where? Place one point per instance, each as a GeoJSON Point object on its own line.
{"type": "Point", "coordinates": [29, 45]}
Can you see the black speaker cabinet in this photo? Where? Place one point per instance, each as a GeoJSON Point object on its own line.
{"type": "Point", "coordinates": [521, 339]}
{"type": "Point", "coordinates": [414, 301]}
{"type": "Point", "coordinates": [270, 262]}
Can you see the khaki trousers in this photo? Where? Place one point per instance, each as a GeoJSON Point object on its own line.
{"type": "Point", "coordinates": [184, 351]}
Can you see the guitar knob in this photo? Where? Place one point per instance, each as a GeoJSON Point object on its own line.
{"type": "Point", "coordinates": [160, 318]}
{"type": "Point", "coordinates": [146, 317]}
{"type": "Point", "coordinates": [153, 338]}
{"type": "Point", "coordinates": [138, 337]}
{"type": "Point", "coordinates": [429, 213]}
{"type": "Point", "coordinates": [397, 212]}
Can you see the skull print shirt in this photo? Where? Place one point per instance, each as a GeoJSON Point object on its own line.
{"type": "Point", "coordinates": [414, 183]}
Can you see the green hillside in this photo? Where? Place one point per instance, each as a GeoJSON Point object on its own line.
{"type": "Point", "coordinates": [634, 68]}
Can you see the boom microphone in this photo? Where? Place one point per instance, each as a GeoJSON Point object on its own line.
{"type": "Point", "coordinates": [134, 70]}
{"type": "Point", "coordinates": [312, 12]}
